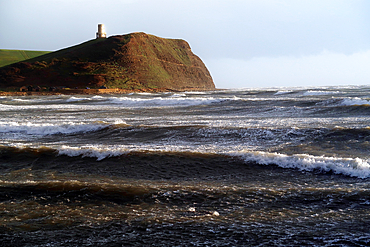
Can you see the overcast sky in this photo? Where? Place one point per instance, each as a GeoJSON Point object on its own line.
{"type": "Point", "coordinates": [244, 43]}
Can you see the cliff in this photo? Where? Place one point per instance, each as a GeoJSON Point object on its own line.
{"type": "Point", "coordinates": [132, 61]}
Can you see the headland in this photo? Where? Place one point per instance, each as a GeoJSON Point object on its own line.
{"type": "Point", "coordinates": [118, 64]}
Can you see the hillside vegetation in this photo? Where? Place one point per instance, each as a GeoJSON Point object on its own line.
{"type": "Point", "coordinates": [13, 56]}
{"type": "Point", "coordinates": [132, 61]}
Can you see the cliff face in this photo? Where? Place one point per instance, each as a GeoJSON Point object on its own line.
{"type": "Point", "coordinates": [132, 61]}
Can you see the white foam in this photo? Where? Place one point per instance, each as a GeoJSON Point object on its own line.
{"type": "Point", "coordinates": [92, 151]}
{"type": "Point", "coordinates": [30, 128]}
{"type": "Point", "coordinates": [119, 122]}
{"type": "Point", "coordinates": [77, 99]}
{"type": "Point", "coordinates": [354, 167]}
{"type": "Point", "coordinates": [162, 101]}
{"type": "Point", "coordinates": [145, 93]}
{"type": "Point", "coordinates": [195, 92]}
{"type": "Point", "coordinates": [105, 151]}
{"type": "Point", "coordinates": [355, 101]}
{"type": "Point", "coordinates": [70, 106]}
{"type": "Point", "coordinates": [283, 92]}
{"type": "Point", "coordinates": [178, 95]}
{"type": "Point", "coordinates": [98, 97]}
{"type": "Point", "coordinates": [45, 99]}
{"type": "Point", "coordinates": [316, 93]}
{"type": "Point", "coordinates": [21, 100]}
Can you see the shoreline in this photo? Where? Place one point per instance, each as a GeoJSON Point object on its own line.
{"type": "Point", "coordinates": [99, 91]}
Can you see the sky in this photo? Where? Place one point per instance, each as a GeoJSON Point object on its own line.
{"type": "Point", "coordinates": [243, 43]}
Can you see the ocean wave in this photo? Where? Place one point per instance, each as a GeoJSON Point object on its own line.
{"type": "Point", "coordinates": [77, 99]}
{"type": "Point", "coordinates": [101, 152]}
{"type": "Point", "coordinates": [195, 92]}
{"type": "Point", "coordinates": [91, 151]}
{"type": "Point", "coordinates": [317, 93]}
{"type": "Point", "coordinates": [163, 101]}
{"type": "Point", "coordinates": [29, 128]}
{"type": "Point", "coordinates": [21, 100]}
{"type": "Point", "coordinates": [283, 92]}
{"type": "Point", "coordinates": [51, 99]}
{"type": "Point", "coordinates": [175, 95]}
{"type": "Point", "coordinates": [355, 102]}
{"type": "Point", "coordinates": [354, 167]}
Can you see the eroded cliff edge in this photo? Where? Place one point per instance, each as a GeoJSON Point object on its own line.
{"type": "Point", "coordinates": [132, 61]}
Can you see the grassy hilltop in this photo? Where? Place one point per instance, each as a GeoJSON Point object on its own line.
{"type": "Point", "coordinates": [13, 56]}
{"type": "Point", "coordinates": [132, 61]}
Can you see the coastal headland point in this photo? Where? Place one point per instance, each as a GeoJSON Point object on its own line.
{"type": "Point", "coordinates": [117, 64]}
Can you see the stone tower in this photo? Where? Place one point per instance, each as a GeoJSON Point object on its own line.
{"type": "Point", "coordinates": [101, 32]}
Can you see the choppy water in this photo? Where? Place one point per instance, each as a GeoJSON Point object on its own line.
{"type": "Point", "coordinates": [274, 167]}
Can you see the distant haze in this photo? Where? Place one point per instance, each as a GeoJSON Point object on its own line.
{"type": "Point", "coordinates": [244, 43]}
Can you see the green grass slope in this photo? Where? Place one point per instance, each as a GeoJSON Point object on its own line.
{"type": "Point", "coordinates": [13, 56]}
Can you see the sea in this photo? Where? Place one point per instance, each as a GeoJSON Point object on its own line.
{"type": "Point", "coordinates": [236, 167]}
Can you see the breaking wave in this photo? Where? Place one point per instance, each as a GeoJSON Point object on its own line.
{"type": "Point", "coordinates": [176, 100]}
{"type": "Point", "coordinates": [318, 93]}
{"type": "Point", "coordinates": [283, 92]}
{"type": "Point", "coordinates": [354, 167]}
{"type": "Point", "coordinates": [355, 102]}
{"type": "Point", "coordinates": [50, 128]}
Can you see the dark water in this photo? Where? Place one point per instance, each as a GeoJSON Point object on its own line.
{"type": "Point", "coordinates": [276, 167]}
